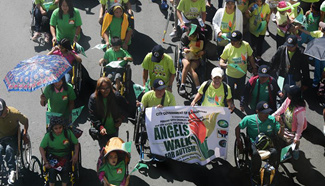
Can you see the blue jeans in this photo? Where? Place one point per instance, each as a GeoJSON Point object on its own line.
{"type": "Point", "coordinates": [289, 80]}
{"type": "Point", "coordinates": [9, 146]}
{"type": "Point", "coordinates": [240, 82]}
{"type": "Point", "coordinates": [319, 67]}
{"type": "Point", "coordinates": [42, 22]}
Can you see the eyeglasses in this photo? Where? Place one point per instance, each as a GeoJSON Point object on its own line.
{"type": "Point", "coordinates": [104, 88]}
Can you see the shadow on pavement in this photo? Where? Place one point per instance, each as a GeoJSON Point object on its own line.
{"type": "Point", "coordinates": [314, 135]}
{"type": "Point", "coordinates": [86, 5]}
{"type": "Point", "coordinates": [137, 181]}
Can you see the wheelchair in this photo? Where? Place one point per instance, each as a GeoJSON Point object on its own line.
{"type": "Point", "coordinates": [76, 78]}
{"type": "Point", "coordinates": [126, 83]}
{"type": "Point", "coordinates": [190, 88]}
{"type": "Point", "coordinates": [22, 157]}
{"type": "Point", "coordinates": [41, 39]}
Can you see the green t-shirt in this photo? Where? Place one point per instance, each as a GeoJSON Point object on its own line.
{"type": "Point", "coordinates": [322, 7]}
{"type": "Point", "coordinates": [312, 22]}
{"type": "Point", "coordinates": [237, 56]}
{"type": "Point", "coordinates": [115, 28]}
{"type": "Point", "coordinates": [242, 5]}
{"type": "Point", "coordinates": [214, 97]}
{"type": "Point", "coordinates": [109, 124]}
{"type": "Point", "coordinates": [111, 55]}
{"type": "Point", "coordinates": [257, 16]}
{"type": "Point", "coordinates": [114, 174]}
{"type": "Point", "coordinates": [44, 2]}
{"type": "Point", "coordinates": [111, 2]}
{"type": "Point", "coordinates": [269, 127]}
{"type": "Point", "coordinates": [65, 27]}
{"type": "Point", "coordinates": [190, 9]}
{"type": "Point", "coordinates": [149, 99]}
{"type": "Point", "coordinates": [316, 34]}
{"type": "Point", "coordinates": [59, 102]}
{"type": "Point", "coordinates": [163, 69]}
{"type": "Point", "coordinates": [263, 96]}
{"type": "Point", "coordinates": [60, 146]}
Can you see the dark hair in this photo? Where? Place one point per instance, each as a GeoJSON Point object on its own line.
{"type": "Point", "coordinates": [64, 84]}
{"type": "Point", "coordinates": [297, 100]}
{"type": "Point", "coordinates": [116, 41]}
{"type": "Point", "coordinates": [65, 43]}
{"type": "Point", "coordinates": [315, 6]}
{"type": "Point", "coordinates": [55, 120]}
{"type": "Point", "coordinates": [263, 1]}
{"type": "Point", "coordinates": [71, 9]}
{"type": "Point", "coordinates": [111, 106]}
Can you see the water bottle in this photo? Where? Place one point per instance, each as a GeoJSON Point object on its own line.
{"type": "Point", "coordinates": [201, 22]}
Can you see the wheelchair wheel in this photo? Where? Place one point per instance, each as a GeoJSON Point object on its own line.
{"type": "Point", "coordinates": [242, 159]}
{"type": "Point", "coordinates": [36, 166]}
{"type": "Point", "coordinates": [136, 133]}
{"type": "Point", "coordinates": [25, 152]}
{"type": "Point", "coordinates": [177, 66]}
{"type": "Point", "coordinates": [77, 67]}
{"type": "Point", "coordinates": [128, 79]}
{"type": "Point", "coordinates": [32, 23]}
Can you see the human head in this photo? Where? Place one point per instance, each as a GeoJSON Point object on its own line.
{"type": "Point", "coordinates": [193, 31]}
{"type": "Point", "coordinates": [157, 53]}
{"type": "Point", "coordinates": [66, 6]}
{"type": "Point", "coordinates": [60, 84]}
{"type": "Point", "coordinates": [65, 44]}
{"type": "Point", "coordinates": [116, 43]}
{"type": "Point", "coordinates": [236, 38]}
{"type": "Point", "coordinates": [104, 87]}
{"type": "Point", "coordinates": [259, 2]}
{"type": "Point", "coordinates": [216, 76]}
{"type": "Point", "coordinates": [295, 95]}
{"type": "Point", "coordinates": [321, 26]}
{"type": "Point", "coordinates": [263, 110]}
{"type": "Point", "coordinates": [57, 124]}
{"type": "Point", "coordinates": [263, 73]}
{"type": "Point", "coordinates": [3, 108]}
{"type": "Point", "coordinates": [118, 10]}
{"type": "Point", "coordinates": [291, 43]}
{"type": "Point", "coordinates": [230, 4]}
{"type": "Point", "coordinates": [281, 6]}
{"type": "Point", "coordinates": [159, 87]}
{"type": "Point", "coordinates": [112, 158]}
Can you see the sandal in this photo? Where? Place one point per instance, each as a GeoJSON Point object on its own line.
{"type": "Point", "coordinates": [36, 36]}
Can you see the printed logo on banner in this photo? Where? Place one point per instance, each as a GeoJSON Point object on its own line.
{"type": "Point", "coordinates": [223, 123]}
{"type": "Point", "coordinates": [222, 133]}
{"type": "Point", "coordinates": [223, 143]}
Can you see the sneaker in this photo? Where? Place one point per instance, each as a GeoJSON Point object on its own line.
{"type": "Point", "coordinates": [11, 178]}
{"type": "Point", "coordinates": [295, 154]}
{"type": "Point", "coordinates": [36, 36]}
{"type": "Point", "coordinates": [47, 37]}
{"type": "Point", "coordinates": [267, 34]}
{"type": "Point", "coordinates": [182, 90]}
{"type": "Point", "coordinates": [173, 33]}
{"type": "Point", "coordinates": [164, 5]}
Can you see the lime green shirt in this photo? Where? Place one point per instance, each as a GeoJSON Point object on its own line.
{"type": "Point", "coordinates": [190, 9]}
{"type": "Point", "coordinates": [242, 5]}
{"type": "Point", "coordinates": [263, 96]}
{"type": "Point", "coordinates": [163, 69]}
{"type": "Point", "coordinates": [281, 19]}
{"type": "Point", "coordinates": [269, 126]}
{"type": "Point", "coordinates": [214, 97]}
{"type": "Point", "coordinates": [111, 2]}
{"type": "Point", "coordinates": [109, 124]}
{"type": "Point", "coordinates": [59, 102]}
{"type": "Point", "coordinates": [44, 6]}
{"type": "Point", "coordinates": [149, 99]}
{"type": "Point", "coordinates": [291, 54]}
{"type": "Point", "coordinates": [259, 14]}
{"type": "Point", "coordinates": [317, 34]}
{"type": "Point", "coordinates": [111, 55]}
{"type": "Point", "coordinates": [237, 56]}
{"type": "Point", "coordinates": [114, 174]}
{"type": "Point", "coordinates": [60, 144]}
{"type": "Point", "coordinates": [227, 22]}
{"type": "Point", "coordinates": [65, 27]}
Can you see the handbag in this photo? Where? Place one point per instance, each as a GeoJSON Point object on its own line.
{"type": "Point", "coordinates": [94, 133]}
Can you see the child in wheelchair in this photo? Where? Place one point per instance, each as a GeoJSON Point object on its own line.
{"type": "Point", "coordinates": [112, 164]}
{"type": "Point", "coordinates": [193, 45]}
{"type": "Point", "coordinates": [55, 149]}
{"type": "Point", "coordinates": [113, 55]}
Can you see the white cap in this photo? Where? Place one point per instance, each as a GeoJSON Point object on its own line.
{"type": "Point", "coordinates": [217, 71]}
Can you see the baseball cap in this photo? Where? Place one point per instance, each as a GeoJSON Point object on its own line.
{"type": "Point", "coordinates": [322, 25]}
{"type": "Point", "coordinates": [157, 53]}
{"type": "Point", "coordinates": [217, 71]}
{"type": "Point", "coordinates": [263, 71]}
{"type": "Point", "coordinates": [293, 90]}
{"type": "Point", "coordinates": [235, 36]}
{"type": "Point", "coordinates": [291, 41]}
{"type": "Point", "coordinates": [159, 84]}
{"type": "Point", "coordinates": [263, 107]}
{"type": "Point", "coordinates": [2, 106]}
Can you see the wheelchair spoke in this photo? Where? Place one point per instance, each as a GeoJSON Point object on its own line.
{"type": "Point", "coordinates": [36, 166]}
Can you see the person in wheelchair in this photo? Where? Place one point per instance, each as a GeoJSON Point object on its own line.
{"type": "Point", "coordinates": [9, 123]}
{"type": "Point", "coordinates": [217, 93]}
{"type": "Point", "coordinates": [43, 13]}
{"type": "Point", "coordinates": [65, 50]}
{"type": "Point", "coordinates": [115, 53]}
{"type": "Point", "coordinates": [105, 4]}
{"type": "Point", "coordinates": [55, 149]}
{"type": "Point", "coordinates": [158, 97]}
{"type": "Point", "coordinates": [192, 44]}
{"type": "Point", "coordinates": [116, 23]}
{"type": "Point", "coordinates": [257, 125]}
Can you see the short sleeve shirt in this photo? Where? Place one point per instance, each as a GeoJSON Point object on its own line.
{"type": "Point", "coordinates": [259, 14]}
{"type": "Point", "coordinates": [149, 99]}
{"type": "Point", "coordinates": [114, 174]}
{"type": "Point", "coordinates": [59, 102]}
{"type": "Point", "coordinates": [190, 9]}
{"type": "Point", "coordinates": [263, 95]}
{"type": "Point", "coordinates": [60, 144]}
{"type": "Point", "coordinates": [316, 34]}
{"type": "Point", "coordinates": [269, 127]}
{"type": "Point", "coordinates": [111, 2]}
{"type": "Point", "coordinates": [65, 27]}
{"type": "Point", "coordinates": [242, 5]}
{"type": "Point", "coordinates": [115, 28]}
{"type": "Point", "coordinates": [111, 55]}
{"type": "Point", "coordinates": [238, 57]}
{"type": "Point", "coordinates": [281, 19]}
{"type": "Point", "coordinates": [69, 57]}
{"type": "Point", "coordinates": [9, 124]}
{"type": "Point", "coordinates": [312, 22]}
{"type": "Point", "coordinates": [43, 2]}
{"type": "Point", "coordinates": [163, 69]}
{"type": "Point", "coordinates": [227, 23]}
{"type": "Point", "coordinates": [214, 97]}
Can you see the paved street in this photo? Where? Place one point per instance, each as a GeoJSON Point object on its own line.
{"type": "Point", "coordinates": [150, 22]}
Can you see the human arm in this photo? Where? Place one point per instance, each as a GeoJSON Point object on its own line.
{"type": "Point", "coordinates": [223, 63]}
{"type": "Point", "coordinates": [93, 116]}
{"type": "Point", "coordinates": [204, 16]}
{"type": "Point", "coordinates": [170, 84]}
{"type": "Point", "coordinates": [43, 100]}
{"type": "Point", "coordinates": [144, 77]}
{"type": "Point", "coordinates": [77, 33]}
{"type": "Point", "coordinates": [245, 96]}
{"type": "Point", "coordinates": [127, 38]}
{"type": "Point", "coordinates": [197, 97]}
{"type": "Point", "coordinates": [43, 155]}
{"type": "Point", "coordinates": [180, 18]}
{"type": "Point", "coordinates": [252, 62]}
{"type": "Point", "coordinates": [106, 38]}
{"type": "Point", "coordinates": [129, 8]}
{"type": "Point", "coordinates": [76, 56]}
{"type": "Point", "coordinates": [216, 22]}
{"type": "Point", "coordinates": [230, 104]}
{"type": "Point", "coordinates": [75, 156]}
{"type": "Point", "coordinates": [71, 107]}
{"type": "Point", "coordinates": [282, 108]}
{"type": "Point", "coordinates": [55, 48]}
{"type": "Point", "coordinates": [101, 13]}
{"type": "Point", "coordinates": [238, 139]}
{"type": "Point", "coordinates": [303, 30]}
{"type": "Point", "coordinates": [52, 29]}
{"type": "Point", "coordinates": [38, 5]}
{"type": "Point", "coordinates": [301, 119]}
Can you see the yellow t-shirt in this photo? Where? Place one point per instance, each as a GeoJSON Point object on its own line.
{"type": "Point", "coordinates": [149, 99]}
{"type": "Point", "coordinates": [259, 14]}
{"type": "Point", "coordinates": [281, 19]}
{"type": "Point", "coordinates": [290, 54]}
{"type": "Point", "coordinates": [316, 34]}
{"type": "Point", "coordinates": [237, 57]}
{"type": "Point", "coordinates": [214, 97]}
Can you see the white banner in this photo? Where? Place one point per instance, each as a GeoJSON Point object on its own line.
{"type": "Point", "coordinates": [188, 134]}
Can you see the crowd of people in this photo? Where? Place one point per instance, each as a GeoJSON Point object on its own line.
{"type": "Point", "coordinates": [266, 102]}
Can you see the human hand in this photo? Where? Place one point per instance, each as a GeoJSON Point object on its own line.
{"type": "Point", "coordinates": [118, 123]}
{"type": "Point", "coordinates": [219, 34]}
{"type": "Point", "coordinates": [101, 62]}
{"type": "Point", "coordinates": [231, 107]}
{"type": "Point", "coordinates": [125, 46]}
{"type": "Point", "coordinates": [187, 50]}
{"type": "Point", "coordinates": [242, 109]}
{"type": "Point", "coordinates": [43, 98]}
{"type": "Point", "coordinates": [239, 145]}
{"type": "Point", "coordinates": [127, 180]}
{"type": "Point", "coordinates": [103, 132]}
{"type": "Point", "coordinates": [160, 106]}
{"type": "Point", "coordinates": [43, 12]}
{"type": "Point", "coordinates": [54, 40]}
{"type": "Point", "coordinates": [25, 138]}
{"type": "Point", "coordinates": [281, 94]}
{"type": "Point", "coordinates": [100, 20]}
{"type": "Point", "coordinates": [47, 165]}
{"type": "Point", "coordinates": [170, 89]}
{"type": "Point", "coordinates": [138, 103]}
{"type": "Point", "coordinates": [74, 159]}
{"type": "Point", "coordinates": [193, 103]}
{"type": "Point", "coordinates": [125, 58]}
{"type": "Point", "coordinates": [254, 71]}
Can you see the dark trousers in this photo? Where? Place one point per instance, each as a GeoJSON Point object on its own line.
{"type": "Point", "coordinates": [257, 44]}
{"type": "Point", "coordinates": [9, 146]}
{"type": "Point", "coordinates": [220, 3]}
{"type": "Point", "coordinates": [104, 139]}
{"type": "Point", "coordinates": [42, 22]}
{"type": "Point", "coordinates": [240, 83]}
{"type": "Point", "coordinates": [257, 161]}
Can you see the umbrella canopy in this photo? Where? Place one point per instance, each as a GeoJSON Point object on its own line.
{"type": "Point", "coordinates": [36, 72]}
{"type": "Point", "coordinates": [316, 49]}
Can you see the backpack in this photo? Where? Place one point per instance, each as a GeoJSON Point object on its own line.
{"type": "Point", "coordinates": [225, 91]}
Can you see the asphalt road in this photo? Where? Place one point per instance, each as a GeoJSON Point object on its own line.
{"type": "Point", "coordinates": [150, 22]}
